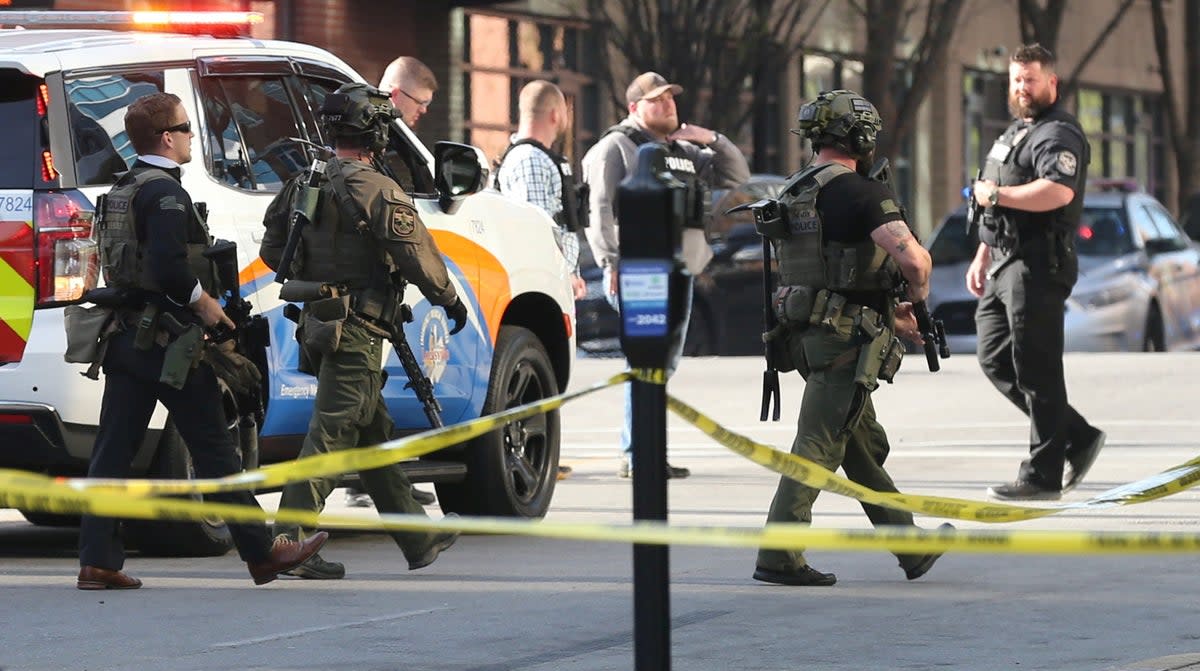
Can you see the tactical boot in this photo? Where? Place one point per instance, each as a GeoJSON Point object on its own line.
{"type": "Point", "coordinates": [316, 568]}
{"type": "Point", "coordinates": [805, 576]}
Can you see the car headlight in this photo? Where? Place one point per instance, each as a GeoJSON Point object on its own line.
{"type": "Point", "coordinates": [1104, 296]}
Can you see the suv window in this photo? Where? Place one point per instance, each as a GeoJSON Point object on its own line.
{"type": "Point", "coordinates": [18, 119]}
{"type": "Point", "coordinates": [1170, 238]}
{"type": "Point", "coordinates": [96, 106]}
{"type": "Point", "coordinates": [251, 121]}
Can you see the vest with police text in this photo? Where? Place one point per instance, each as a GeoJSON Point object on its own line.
{"type": "Point", "coordinates": [807, 259]}
{"type": "Point", "coordinates": [681, 167]}
{"type": "Point", "coordinates": [122, 258]}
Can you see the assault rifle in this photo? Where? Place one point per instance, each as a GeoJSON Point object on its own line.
{"type": "Point", "coordinates": [250, 330]}
{"type": "Point", "coordinates": [932, 330]}
{"type": "Point", "coordinates": [297, 291]}
{"type": "Point", "coordinates": [767, 211]}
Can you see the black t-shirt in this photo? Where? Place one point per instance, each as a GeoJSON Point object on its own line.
{"type": "Point", "coordinates": [853, 206]}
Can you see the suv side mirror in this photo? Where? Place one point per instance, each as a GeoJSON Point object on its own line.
{"type": "Point", "coordinates": [459, 170]}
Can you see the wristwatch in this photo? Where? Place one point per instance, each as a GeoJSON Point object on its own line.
{"type": "Point", "coordinates": [993, 197]}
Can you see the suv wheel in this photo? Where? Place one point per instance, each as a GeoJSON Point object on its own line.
{"type": "Point", "coordinates": [207, 538]}
{"type": "Point", "coordinates": [512, 471]}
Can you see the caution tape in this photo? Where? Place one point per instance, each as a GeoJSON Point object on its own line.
{"type": "Point", "coordinates": [139, 499]}
{"type": "Point", "coordinates": [1171, 481]}
{"type": "Point", "coordinates": [29, 491]}
{"type": "Point", "coordinates": [342, 461]}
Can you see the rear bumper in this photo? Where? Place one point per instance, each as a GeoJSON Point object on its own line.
{"type": "Point", "coordinates": [35, 438]}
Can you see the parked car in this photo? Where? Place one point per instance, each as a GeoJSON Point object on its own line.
{"type": "Point", "coordinates": [1139, 279]}
{"type": "Point", "coordinates": [64, 97]}
{"type": "Point", "coordinates": [727, 302]}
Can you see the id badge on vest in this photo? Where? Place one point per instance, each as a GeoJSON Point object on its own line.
{"type": "Point", "coordinates": [999, 152]}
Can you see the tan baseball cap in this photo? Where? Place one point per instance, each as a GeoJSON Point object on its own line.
{"type": "Point", "coordinates": [650, 85]}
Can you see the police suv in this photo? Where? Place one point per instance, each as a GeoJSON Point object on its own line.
{"type": "Point", "coordinates": [63, 95]}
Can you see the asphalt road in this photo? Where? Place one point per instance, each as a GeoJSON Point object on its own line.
{"type": "Point", "coordinates": [507, 603]}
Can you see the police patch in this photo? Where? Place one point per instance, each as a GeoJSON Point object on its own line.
{"type": "Point", "coordinates": [889, 206]}
{"type": "Point", "coordinates": [404, 221]}
{"type": "Point", "coordinates": [1066, 163]}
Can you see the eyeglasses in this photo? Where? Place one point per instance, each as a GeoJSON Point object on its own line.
{"type": "Point", "coordinates": [185, 127]}
{"type": "Point", "coordinates": [420, 103]}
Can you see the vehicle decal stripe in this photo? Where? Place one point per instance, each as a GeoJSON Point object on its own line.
{"type": "Point", "coordinates": [251, 273]}
{"type": "Point", "coordinates": [16, 301]}
{"type": "Point", "coordinates": [16, 247]}
{"type": "Point", "coordinates": [491, 286]}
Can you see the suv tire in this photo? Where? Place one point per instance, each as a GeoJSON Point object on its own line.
{"type": "Point", "coordinates": [207, 538]}
{"type": "Point", "coordinates": [511, 472]}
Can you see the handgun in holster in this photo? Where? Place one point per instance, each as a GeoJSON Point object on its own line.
{"type": "Point", "coordinates": [184, 352]}
{"type": "Point", "coordinates": [147, 328]}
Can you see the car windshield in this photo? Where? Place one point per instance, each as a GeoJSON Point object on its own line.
{"type": "Point", "coordinates": [1103, 231]}
{"type": "Point", "coordinates": [953, 243]}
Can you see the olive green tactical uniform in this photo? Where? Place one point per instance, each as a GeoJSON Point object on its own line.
{"type": "Point", "coordinates": [842, 350]}
{"type": "Point", "coordinates": [350, 411]}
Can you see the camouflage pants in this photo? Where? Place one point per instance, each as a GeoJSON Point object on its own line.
{"type": "Point", "coordinates": [836, 428]}
{"type": "Point", "coordinates": [350, 412]}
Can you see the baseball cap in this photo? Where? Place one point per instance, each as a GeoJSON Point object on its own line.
{"type": "Point", "coordinates": [649, 85]}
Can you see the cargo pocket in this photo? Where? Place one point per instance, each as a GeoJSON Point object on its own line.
{"type": "Point", "coordinates": [321, 328]}
{"type": "Point", "coordinates": [86, 329]}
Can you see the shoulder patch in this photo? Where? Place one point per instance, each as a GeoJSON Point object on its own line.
{"type": "Point", "coordinates": [170, 203]}
{"type": "Point", "coordinates": [1067, 163]}
{"type": "Point", "coordinates": [403, 220]}
{"type": "Point", "coordinates": [889, 206]}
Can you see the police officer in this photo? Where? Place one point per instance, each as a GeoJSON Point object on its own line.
{"type": "Point", "coordinates": [366, 232]}
{"type": "Point", "coordinates": [842, 246]}
{"type": "Point", "coordinates": [152, 242]}
{"type": "Point", "coordinates": [699, 157]}
{"type": "Point", "coordinates": [1026, 264]}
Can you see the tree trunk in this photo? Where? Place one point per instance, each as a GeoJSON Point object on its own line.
{"type": "Point", "coordinates": [1039, 23]}
{"type": "Point", "coordinates": [1181, 132]}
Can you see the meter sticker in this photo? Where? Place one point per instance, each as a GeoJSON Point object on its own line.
{"type": "Point", "coordinates": [644, 299]}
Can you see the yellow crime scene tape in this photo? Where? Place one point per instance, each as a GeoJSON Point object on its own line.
{"type": "Point", "coordinates": [139, 499]}
{"type": "Point", "coordinates": [1170, 481]}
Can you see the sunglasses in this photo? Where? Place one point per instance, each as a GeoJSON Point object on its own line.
{"type": "Point", "coordinates": [185, 127]}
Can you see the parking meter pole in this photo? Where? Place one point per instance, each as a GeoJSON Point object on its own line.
{"type": "Point", "coordinates": [651, 580]}
{"type": "Point", "coordinates": [651, 290]}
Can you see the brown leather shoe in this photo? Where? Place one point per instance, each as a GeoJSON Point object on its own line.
{"type": "Point", "coordinates": [92, 577]}
{"type": "Point", "coordinates": [286, 554]}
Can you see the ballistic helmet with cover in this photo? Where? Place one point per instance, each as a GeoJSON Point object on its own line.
{"type": "Point", "coordinates": [358, 112]}
{"type": "Point", "coordinates": [841, 119]}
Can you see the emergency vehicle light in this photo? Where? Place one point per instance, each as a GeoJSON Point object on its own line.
{"type": "Point", "coordinates": [135, 19]}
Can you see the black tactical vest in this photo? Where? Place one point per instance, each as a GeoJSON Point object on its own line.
{"type": "Point", "coordinates": [681, 167]}
{"type": "Point", "coordinates": [573, 216]}
{"type": "Point", "coordinates": [1039, 237]}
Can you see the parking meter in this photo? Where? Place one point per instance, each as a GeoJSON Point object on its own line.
{"type": "Point", "coordinates": [654, 296]}
{"type": "Point", "coordinates": [652, 284]}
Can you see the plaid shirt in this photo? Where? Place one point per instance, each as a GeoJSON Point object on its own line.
{"type": "Point", "coordinates": [528, 174]}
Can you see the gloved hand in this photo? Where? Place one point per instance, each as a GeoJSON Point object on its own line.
{"type": "Point", "coordinates": [458, 312]}
{"type": "Point", "coordinates": [240, 373]}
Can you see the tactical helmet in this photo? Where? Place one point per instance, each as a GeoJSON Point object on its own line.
{"type": "Point", "coordinates": [360, 112]}
{"type": "Point", "coordinates": [843, 119]}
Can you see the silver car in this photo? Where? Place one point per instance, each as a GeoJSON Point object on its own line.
{"type": "Point", "coordinates": [1138, 288]}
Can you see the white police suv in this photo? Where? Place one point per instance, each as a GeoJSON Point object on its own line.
{"type": "Point", "coordinates": [63, 95]}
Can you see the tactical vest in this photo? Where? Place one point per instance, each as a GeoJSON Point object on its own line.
{"type": "Point", "coordinates": [1013, 230]}
{"type": "Point", "coordinates": [681, 167]}
{"type": "Point", "coordinates": [122, 258]}
{"type": "Point", "coordinates": [807, 259]}
{"type": "Point", "coordinates": [573, 216]}
{"type": "Point", "coordinates": [337, 247]}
